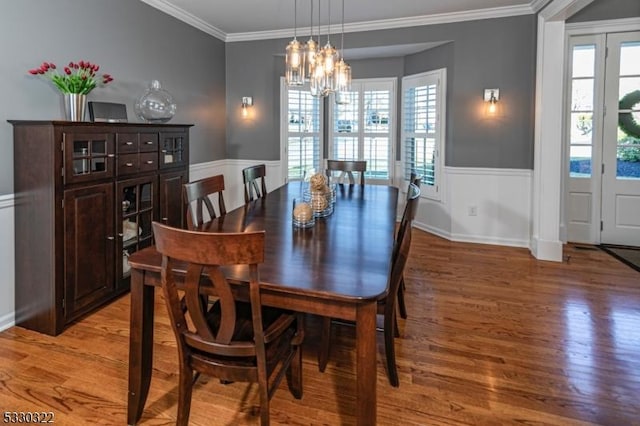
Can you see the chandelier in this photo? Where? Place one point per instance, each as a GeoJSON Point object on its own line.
{"type": "Point", "coordinates": [323, 67]}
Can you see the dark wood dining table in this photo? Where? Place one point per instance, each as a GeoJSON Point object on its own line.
{"type": "Point", "coordinates": [337, 268]}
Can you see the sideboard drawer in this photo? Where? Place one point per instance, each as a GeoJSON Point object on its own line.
{"type": "Point", "coordinates": [127, 142]}
{"type": "Point", "coordinates": [148, 142]}
{"type": "Point", "coordinates": [127, 164]}
{"type": "Point", "coordinates": [148, 161]}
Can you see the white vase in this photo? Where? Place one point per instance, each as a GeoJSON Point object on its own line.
{"type": "Point", "coordinates": [75, 105]}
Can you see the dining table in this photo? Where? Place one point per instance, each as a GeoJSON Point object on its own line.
{"type": "Point", "coordinates": [337, 268]}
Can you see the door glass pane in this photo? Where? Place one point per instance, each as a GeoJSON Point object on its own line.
{"type": "Point", "coordinates": [584, 60]}
{"type": "Point", "coordinates": [581, 128]}
{"type": "Point", "coordinates": [582, 95]}
{"type": "Point", "coordinates": [580, 158]}
{"type": "Point", "coordinates": [630, 58]}
{"type": "Point", "coordinates": [628, 162]}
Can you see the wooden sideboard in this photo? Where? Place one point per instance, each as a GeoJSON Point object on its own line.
{"type": "Point", "coordinates": [86, 194]}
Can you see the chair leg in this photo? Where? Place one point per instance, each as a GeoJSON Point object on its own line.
{"type": "Point", "coordinates": [294, 374]}
{"type": "Point", "coordinates": [401, 305]}
{"type": "Point", "coordinates": [264, 405]}
{"type": "Point", "coordinates": [185, 388]}
{"type": "Point", "coordinates": [325, 344]}
{"type": "Point", "coordinates": [390, 350]}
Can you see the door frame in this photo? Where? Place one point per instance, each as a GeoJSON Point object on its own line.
{"type": "Point", "coordinates": [598, 29]}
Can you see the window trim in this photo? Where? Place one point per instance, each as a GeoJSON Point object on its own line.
{"type": "Point", "coordinates": [393, 114]}
{"type": "Point", "coordinates": [415, 80]}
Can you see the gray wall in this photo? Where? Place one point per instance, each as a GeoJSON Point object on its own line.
{"type": "Point", "coordinates": [492, 53]}
{"type": "Point", "coordinates": [607, 9]}
{"type": "Point", "coordinates": [128, 39]}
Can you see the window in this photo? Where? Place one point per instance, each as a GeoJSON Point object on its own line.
{"type": "Point", "coordinates": [582, 83]}
{"type": "Point", "coordinates": [363, 129]}
{"type": "Point", "coordinates": [302, 117]}
{"type": "Point", "coordinates": [423, 124]}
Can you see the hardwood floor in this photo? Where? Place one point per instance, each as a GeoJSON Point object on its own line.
{"type": "Point", "coordinates": [493, 337]}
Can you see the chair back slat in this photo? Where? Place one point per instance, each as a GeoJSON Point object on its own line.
{"type": "Point", "coordinates": [254, 182]}
{"type": "Point", "coordinates": [347, 168]}
{"type": "Point", "coordinates": [197, 195]}
{"type": "Point", "coordinates": [204, 253]}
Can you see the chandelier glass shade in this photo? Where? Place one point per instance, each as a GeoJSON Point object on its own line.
{"type": "Point", "coordinates": [342, 82]}
{"type": "Point", "coordinates": [294, 56]}
{"type": "Point", "coordinates": [294, 64]}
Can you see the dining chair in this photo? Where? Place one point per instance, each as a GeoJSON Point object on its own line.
{"type": "Point", "coordinates": [198, 194]}
{"type": "Point", "coordinates": [225, 338]}
{"type": "Point", "coordinates": [416, 180]}
{"type": "Point", "coordinates": [346, 168]}
{"type": "Point", "coordinates": [254, 182]}
{"type": "Point", "coordinates": [386, 305]}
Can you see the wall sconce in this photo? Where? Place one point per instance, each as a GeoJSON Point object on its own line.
{"type": "Point", "coordinates": [247, 101]}
{"type": "Point", "coordinates": [491, 98]}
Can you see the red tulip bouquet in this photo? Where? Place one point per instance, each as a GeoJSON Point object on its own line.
{"type": "Point", "coordinates": [78, 78]}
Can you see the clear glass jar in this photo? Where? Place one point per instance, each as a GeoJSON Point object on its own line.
{"type": "Point", "coordinates": [155, 105]}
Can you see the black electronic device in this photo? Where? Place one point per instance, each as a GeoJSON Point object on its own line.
{"type": "Point", "coordinates": [107, 112]}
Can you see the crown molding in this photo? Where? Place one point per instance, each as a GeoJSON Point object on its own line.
{"type": "Point", "coordinates": [596, 27]}
{"type": "Point", "coordinates": [194, 21]}
{"type": "Point", "coordinates": [385, 24]}
{"type": "Point", "coordinates": [538, 5]}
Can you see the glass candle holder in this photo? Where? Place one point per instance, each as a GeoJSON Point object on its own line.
{"type": "Point", "coordinates": [302, 214]}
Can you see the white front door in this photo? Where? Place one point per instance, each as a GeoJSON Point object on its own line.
{"type": "Point", "coordinates": [621, 141]}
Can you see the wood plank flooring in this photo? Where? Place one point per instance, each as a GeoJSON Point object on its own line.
{"type": "Point", "coordinates": [493, 337]}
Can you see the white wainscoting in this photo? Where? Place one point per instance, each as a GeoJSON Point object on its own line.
{"type": "Point", "coordinates": [7, 265]}
{"type": "Point", "coordinates": [502, 202]}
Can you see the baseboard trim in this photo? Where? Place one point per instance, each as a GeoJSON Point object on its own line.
{"type": "Point", "coordinates": [546, 250]}
{"type": "Point", "coordinates": [7, 321]}
{"type": "Point", "coordinates": [463, 238]}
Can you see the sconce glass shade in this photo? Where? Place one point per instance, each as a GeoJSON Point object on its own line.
{"type": "Point", "coordinates": [492, 107]}
{"type": "Point", "coordinates": [294, 63]}
{"type": "Point", "coordinates": [247, 101]}
{"type": "Point", "coordinates": [342, 74]}
{"type": "Point", "coordinates": [491, 98]}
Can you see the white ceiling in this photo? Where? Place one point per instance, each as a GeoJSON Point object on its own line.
{"type": "Point", "coordinates": [235, 20]}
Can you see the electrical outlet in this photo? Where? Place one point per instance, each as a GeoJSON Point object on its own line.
{"type": "Point", "coordinates": [473, 211]}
